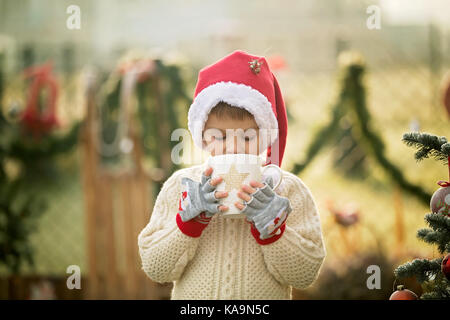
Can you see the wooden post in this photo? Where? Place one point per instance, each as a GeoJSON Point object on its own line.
{"type": "Point", "coordinates": [108, 249]}
{"type": "Point", "coordinates": [90, 167]}
{"type": "Point", "coordinates": [117, 208]}
{"type": "Point", "coordinates": [399, 220]}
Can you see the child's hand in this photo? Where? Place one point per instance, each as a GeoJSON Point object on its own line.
{"type": "Point", "coordinates": [202, 197]}
{"type": "Point", "coordinates": [263, 207]}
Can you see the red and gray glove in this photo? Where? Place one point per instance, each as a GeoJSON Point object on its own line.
{"type": "Point", "coordinates": [267, 211]}
{"type": "Point", "coordinates": [199, 197]}
{"type": "Point", "coordinates": [198, 204]}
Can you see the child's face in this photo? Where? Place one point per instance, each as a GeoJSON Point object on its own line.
{"type": "Point", "coordinates": [226, 135]}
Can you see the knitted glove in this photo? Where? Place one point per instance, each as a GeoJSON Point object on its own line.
{"type": "Point", "coordinates": [267, 211]}
{"type": "Point", "coordinates": [197, 206]}
{"type": "Point", "coordinates": [200, 198]}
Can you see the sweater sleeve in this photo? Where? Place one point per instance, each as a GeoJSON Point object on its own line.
{"type": "Point", "coordinates": [296, 257]}
{"type": "Point", "coordinates": [164, 249]}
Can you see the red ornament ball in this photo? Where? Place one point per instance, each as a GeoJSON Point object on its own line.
{"type": "Point", "coordinates": [440, 201]}
{"type": "Point", "coordinates": [445, 266]}
{"type": "Point", "coordinates": [403, 294]}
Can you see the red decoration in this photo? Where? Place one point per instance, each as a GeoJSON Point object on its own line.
{"type": "Point", "coordinates": [346, 216]}
{"type": "Point", "coordinates": [144, 68]}
{"type": "Point", "coordinates": [403, 294]}
{"type": "Point", "coordinates": [445, 266]}
{"type": "Point", "coordinates": [276, 62]}
{"type": "Point", "coordinates": [40, 122]}
{"type": "Point", "coordinates": [444, 183]}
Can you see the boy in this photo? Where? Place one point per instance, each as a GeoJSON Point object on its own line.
{"type": "Point", "coordinates": [189, 242]}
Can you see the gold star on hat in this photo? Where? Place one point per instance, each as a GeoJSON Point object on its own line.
{"type": "Point", "coordinates": [233, 179]}
{"type": "Point", "coordinates": [255, 65]}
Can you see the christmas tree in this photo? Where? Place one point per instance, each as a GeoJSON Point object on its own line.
{"type": "Point", "coordinates": [434, 275]}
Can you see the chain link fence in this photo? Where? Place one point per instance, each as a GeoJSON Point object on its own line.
{"type": "Point", "coordinates": [405, 70]}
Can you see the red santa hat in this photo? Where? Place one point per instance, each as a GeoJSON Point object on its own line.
{"type": "Point", "coordinates": [245, 81]}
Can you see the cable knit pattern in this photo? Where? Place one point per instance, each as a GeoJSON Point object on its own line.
{"type": "Point", "coordinates": [226, 262]}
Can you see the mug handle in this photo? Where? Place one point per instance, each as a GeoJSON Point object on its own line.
{"type": "Point", "coordinates": [279, 171]}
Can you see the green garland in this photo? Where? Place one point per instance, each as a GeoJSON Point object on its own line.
{"type": "Point", "coordinates": [170, 88]}
{"type": "Point", "coordinates": [324, 135]}
{"type": "Point", "coordinates": [352, 101]}
{"type": "Point", "coordinates": [19, 209]}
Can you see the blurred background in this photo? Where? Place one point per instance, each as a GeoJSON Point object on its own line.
{"type": "Point", "coordinates": [90, 92]}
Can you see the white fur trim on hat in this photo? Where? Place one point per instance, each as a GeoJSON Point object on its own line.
{"type": "Point", "coordinates": [237, 95]}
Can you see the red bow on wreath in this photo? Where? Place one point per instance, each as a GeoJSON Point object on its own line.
{"type": "Point", "coordinates": [40, 121]}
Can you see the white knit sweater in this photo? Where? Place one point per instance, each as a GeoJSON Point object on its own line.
{"type": "Point", "coordinates": [226, 262]}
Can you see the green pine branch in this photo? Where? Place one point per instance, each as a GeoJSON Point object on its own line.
{"type": "Point", "coordinates": [423, 269]}
{"type": "Point", "coordinates": [440, 232]}
{"type": "Point", "coordinates": [428, 145]}
{"type": "Point", "coordinates": [435, 295]}
{"type": "Point", "coordinates": [441, 239]}
{"type": "Point", "coordinates": [438, 222]}
{"type": "Point", "coordinates": [438, 288]}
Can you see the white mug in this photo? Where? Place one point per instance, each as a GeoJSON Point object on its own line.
{"type": "Point", "coordinates": [238, 169]}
